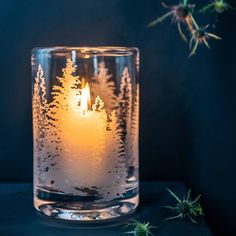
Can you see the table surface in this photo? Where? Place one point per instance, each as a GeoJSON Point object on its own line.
{"type": "Point", "coordinates": [18, 216]}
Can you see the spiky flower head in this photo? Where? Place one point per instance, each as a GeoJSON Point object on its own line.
{"type": "Point", "coordinates": [140, 228]}
{"type": "Point", "coordinates": [185, 208]}
{"type": "Point", "coordinates": [200, 36]}
{"type": "Point", "coordinates": [221, 6]}
{"type": "Point", "coordinates": [181, 11]}
{"type": "Point", "coordinates": [218, 6]}
{"type": "Point", "coordinates": [178, 12]}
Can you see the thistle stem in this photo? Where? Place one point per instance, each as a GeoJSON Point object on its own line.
{"type": "Point", "coordinates": [185, 2]}
{"type": "Point", "coordinates": [194, 22]}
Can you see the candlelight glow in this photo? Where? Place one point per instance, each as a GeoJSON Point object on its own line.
{"type": "Point", "coordinates": [85, 118]}
{"type": "Point", "coordinates": [85, 98]}
{"type": "Point", "coordinates": [83, 133]}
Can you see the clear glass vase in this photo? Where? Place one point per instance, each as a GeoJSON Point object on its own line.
{"type": "Point", "coordinates": [85, 125]}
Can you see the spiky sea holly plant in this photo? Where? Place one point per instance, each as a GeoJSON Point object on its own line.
{"type": "Point", "coordinates": [185, 207]}
{"type": "Point", "coordinates": [182, 14]}
{"type": "Point", "coordinates": [140, 228]}
{"type": "Point", "coordinates": [200, 36]}
{"type": "Point", "coordinates": [179, 13]}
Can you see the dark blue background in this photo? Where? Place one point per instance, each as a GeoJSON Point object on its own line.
{"type": "Point", "coordinates": [188, 106]}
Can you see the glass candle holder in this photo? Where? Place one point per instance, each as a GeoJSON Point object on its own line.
{"type": "Point", "coordinates": [85, 128]}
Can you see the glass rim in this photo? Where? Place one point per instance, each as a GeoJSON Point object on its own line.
{"type": "Point", "coordinates": [88, 50]}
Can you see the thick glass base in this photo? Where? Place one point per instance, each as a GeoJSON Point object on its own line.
{"type": "Point", "coordinates": [85, 212]}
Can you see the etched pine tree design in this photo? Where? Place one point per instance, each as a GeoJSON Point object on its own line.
{"type": "Point", "coordinates": [65, 98]}
{"type": "Point", "coordinates": [61, 113]}
{"type": "Point", "coordinates": [104, 87]}
{"type": "Point", "coordinates": [36, 106]}
{"type": "Point", "coordinates": [99, 149]}
{"type": "Point", "coordinates": [40, 125]}
{"type": "Point", "coordinates": [66, 93]}
{"type": "Point", "coordinates": [134, 129]}
{"type": "Point", "coordinates": [39, 107]}
{"type": "Point", "coordinates": [115, 176]}
{"type": "Point", "coordinates": [125, 113]}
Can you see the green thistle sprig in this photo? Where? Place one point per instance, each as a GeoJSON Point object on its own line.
{"type": "Point", "coordinates": [186, 207]}
{"type": "Point", "coordinates": [218, 6]}
{"type": "Point", "coordinates": [140, 228]}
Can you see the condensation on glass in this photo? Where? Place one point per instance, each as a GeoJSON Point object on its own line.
{"type": "Point", "coordinates": [85, 125]}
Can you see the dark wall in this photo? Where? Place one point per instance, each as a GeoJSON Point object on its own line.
{"type": "Point", "coordinates": [187, 117]}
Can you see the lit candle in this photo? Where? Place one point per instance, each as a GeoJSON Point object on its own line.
{"type": "Point", "coordinates": [83, 136]}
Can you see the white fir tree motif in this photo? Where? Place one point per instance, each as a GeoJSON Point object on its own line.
{"type": "Point", "coordinates": [135, 128]}
{"type": "Point", "coordinates": [115, 175]}
{"type": "Point", "coordinates": [104, 87]}
{"type": "Point", "coordinates": [61, 115]}
{"type": "Point", "coordinates": [36, 105]}
{"type": "Point", "coordinates": [125, 112]}
{"type": "Point", "coordinates": [125, 101]}
{"type": "Point", "coordinates": [39, 106]}
{"type": "Point", "coordinates": [64, 96]}
{"type": "Point", "coordinates": [40, 124]}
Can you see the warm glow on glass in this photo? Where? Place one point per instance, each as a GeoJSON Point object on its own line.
{"type": "Point", "coordinates": [85, 116]}
{"type": "Point", "coordinates": [85, 98]}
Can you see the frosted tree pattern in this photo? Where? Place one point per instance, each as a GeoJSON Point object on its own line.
{"type": "Point", "coordinates": [134, 128]}
{"type": "Point", "coordinates": [40, 106]}
{"type": "Point", "coordinates": [104, 87]}
{"type": "Point", "coordinates": [74, 134]}
{"type": "Point", "coordinates": [125, 111]}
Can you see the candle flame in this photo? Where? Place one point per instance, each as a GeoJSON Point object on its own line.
{"type": "Point", "coordinates": [85, 98]}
